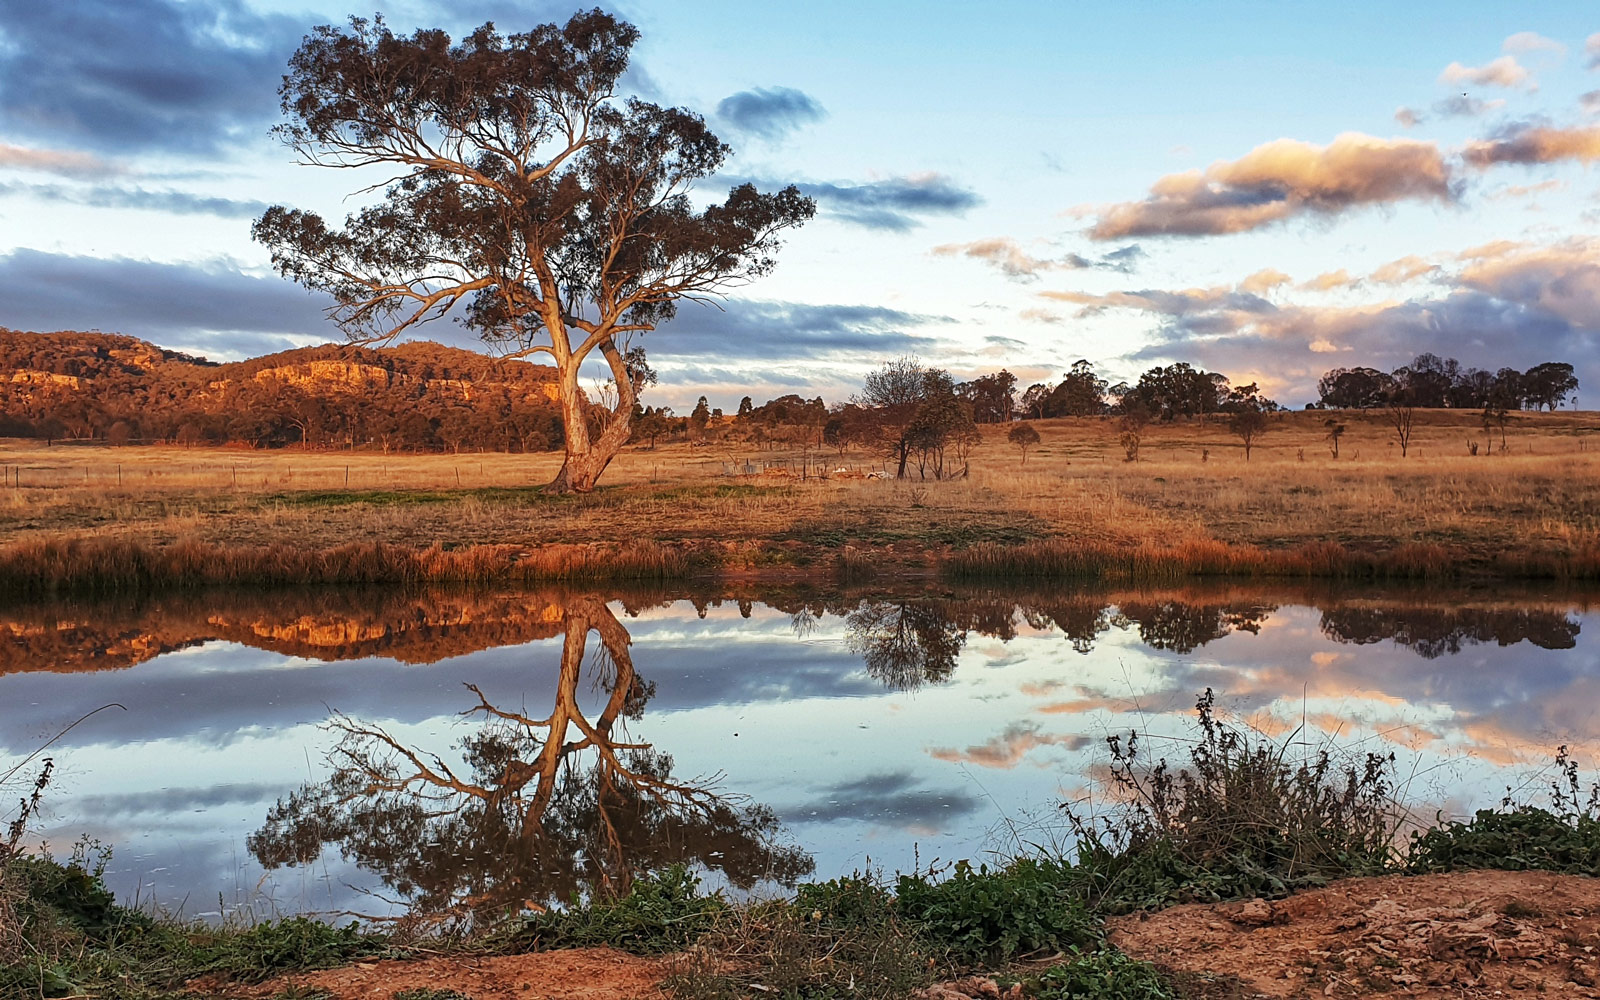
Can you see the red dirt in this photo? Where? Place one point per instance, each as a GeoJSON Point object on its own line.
{"type": "Point", "coordinates": [574, 974]}
{"type": "Point", "coordinates": [1458, 935]}
{"type": "Point", "coordinates": [1461, 934]}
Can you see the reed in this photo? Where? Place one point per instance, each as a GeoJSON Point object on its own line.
{"type": "Point", "coordinates": [111, 565]}
{"type": "Point", "coordinates": [1074, 559]}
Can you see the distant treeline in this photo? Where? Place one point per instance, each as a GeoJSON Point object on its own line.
{"type": "Point", "coordinates": [1432, 382]}
{"type": "Point", "coordinates": [427, 397]}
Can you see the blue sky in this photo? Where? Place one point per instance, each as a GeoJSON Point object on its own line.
{"type": "Point", "coordinates": [1266, 190]}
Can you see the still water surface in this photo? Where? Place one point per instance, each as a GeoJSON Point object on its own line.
{"type": "Point", "coordinates": [370, 752]}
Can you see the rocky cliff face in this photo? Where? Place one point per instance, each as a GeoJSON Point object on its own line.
{"type": "Point", "coordinates": [417, 628]}
{"type": "Point", "coordinates": [415, 396]}
{"type": "Point", "coordinates": [353, 377]}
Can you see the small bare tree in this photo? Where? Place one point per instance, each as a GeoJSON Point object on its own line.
{"type": "Point", "coordinates": [1402, 414]}
{"type": "Point", "coordinates": [1335, 432]}
{"type": "Point", "coordinates": [1247, 425]}
{"type": "Point", "coordinates": [1024, 437]}
{"type": "Point", "coordinates": [1496, 416]}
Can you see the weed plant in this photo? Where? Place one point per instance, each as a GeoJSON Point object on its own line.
{"type": "Point", "coordinates": [978, 917]}
{"type": "Point", "coordinates": [1242, 819]}
{"type": "Point", "coordinates": [661, 912]}
{"type": "Point", "coordinates": [1519, 836]}
{"type": "Point", "coordinates": [1105, 974]}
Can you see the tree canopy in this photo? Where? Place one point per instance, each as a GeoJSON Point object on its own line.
{"type": "Point", "coordinates": [553, 213]}
{"type": "Point", "coordinates": [1432, 382]}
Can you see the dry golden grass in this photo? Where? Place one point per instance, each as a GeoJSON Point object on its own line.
{"type": "Point", "coordinates": [1534, 509]}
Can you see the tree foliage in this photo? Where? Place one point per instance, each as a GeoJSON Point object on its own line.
{"type": "Point", "coordinates": [914, 412]}
{"type": "Point", "coordinates": [992, 397]}
{"type": "Point", "coordinates": [538, 811]}
{"type": "Point", "coordinates": [1432, 382]}
{"type": "Point", "coordinates": [554, 214]}
{"type": "Point", "coordinates": [1024, 437]}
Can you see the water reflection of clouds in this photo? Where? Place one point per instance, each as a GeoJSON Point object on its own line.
{"type": "Point", "coordinates": [793, 720]}
{"type": "Point", "coordinates": [895, 799]}
{"type": "Point", "coordinates": [227, 697]}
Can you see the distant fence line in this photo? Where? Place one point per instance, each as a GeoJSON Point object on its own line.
{"type": "Point", "coordinates": [806, 467]}
{"type": "Point", "coordinates": [257, 472]}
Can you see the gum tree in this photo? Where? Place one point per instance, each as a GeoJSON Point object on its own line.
{"type": "Point", "coordinates": [522, 190]}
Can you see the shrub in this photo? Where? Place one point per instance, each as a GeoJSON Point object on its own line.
{"type": "Point", "coordinates": [1521, 837]}
{"type": "Point", "coordinates": [978, 916]}
{"type": "Point", "coordinates": [275, 946]}
{"type": "Point", "coordinates": [859, 950]}
{"type": "Point", "coordinates": [1107, 974]}
{"type": "Point", "coordinates": [1241, 820]}
{"type": "Point", "coordinates": [662, 912]}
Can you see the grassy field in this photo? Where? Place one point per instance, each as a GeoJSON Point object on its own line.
{"type": "Point", "coordinates": [1537, 502]}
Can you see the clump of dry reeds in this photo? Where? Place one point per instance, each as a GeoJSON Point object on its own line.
{"type": "Point", "coordinates": [1153, 563]}
{"type": "Point", "coordinates": [102, 565]}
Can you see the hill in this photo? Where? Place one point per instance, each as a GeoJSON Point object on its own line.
{"type": "Point", "coordinates": [414, 397]}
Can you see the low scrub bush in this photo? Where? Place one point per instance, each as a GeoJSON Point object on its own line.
{"type": "Point", "coordinates": [1240, 819]}
{"type": "Point", "coordinates": [660, 913]}
{"type": "Point", "coordinates": [782, 950]}
{"type": "Point", "coordinates": [1106, 974]}
{"type": "Point", "coordinates": [261, 952]}
{"type": "Point", "coordinates": [1519, 836]}
{"type": "Point", "coordinates": [982, 917]}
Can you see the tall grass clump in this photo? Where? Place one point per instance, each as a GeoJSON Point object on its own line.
{"type": "Point", "coordinates": [841, 938]}
{"type": "Point", "coordinates": [1242, 818]}
{"type": "Point", "coordinates": [96, 565]}
{"type": "Point", "coordinates": [1156, 562]}
{"type": "Point", "coordinates": [13, 894]}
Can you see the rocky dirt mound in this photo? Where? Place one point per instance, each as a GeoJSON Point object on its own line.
{"type": "Point", "coordinates": [1461, 934]}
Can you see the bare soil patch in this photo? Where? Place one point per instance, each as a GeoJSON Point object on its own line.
{"type": "Point", "coordinates": [572, 974]}
{"type": "Point", "coordinates": [1459, 934]}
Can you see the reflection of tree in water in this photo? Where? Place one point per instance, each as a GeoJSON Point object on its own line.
{"type": "Point", "coordinates": [1184, 628]}
{"type": "Point", "coordinates": [548, 807]}
{"type": "Point", "coordinates": [1435, 632]}
{"type": "Point", "coordinates": [1080, 620]}
{"type": "Point", "coordinates": [1175, 625]}
{"type": "Point", "coordinates": [905, 643]}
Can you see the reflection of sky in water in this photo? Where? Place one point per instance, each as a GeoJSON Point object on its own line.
{"type": "Point", "coordinates": [214, 734]}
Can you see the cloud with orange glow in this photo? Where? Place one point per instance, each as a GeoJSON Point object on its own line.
{"type": "Point", "coordinates": [69, 163]}
{"type": "Point", "coordinates": [1530, 144]}
{"type": "Point", "coordinates": [1281, 180]}
{"type": "Point", "coordinates": [1502, 72]}
{"type": "Point", "coordinates": [1009, 748]}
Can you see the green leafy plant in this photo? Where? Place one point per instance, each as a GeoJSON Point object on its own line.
{"type": "Point", "coordinates": [1106, 974]}
{"type": "Point", "coordinates": [661, 912]}
{"type": "Point", "coordinates": [978, 916]}
{"type": "Point", "coordinates": [266, 949]}
{"type": "Point", "coordinates": [1519, 836]}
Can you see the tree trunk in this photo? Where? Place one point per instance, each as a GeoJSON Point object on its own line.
{"type": "Point", "coordinates": [586, 458]}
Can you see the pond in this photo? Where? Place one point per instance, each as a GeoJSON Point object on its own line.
{"type": "Point", "coordinates": [373, 752]}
